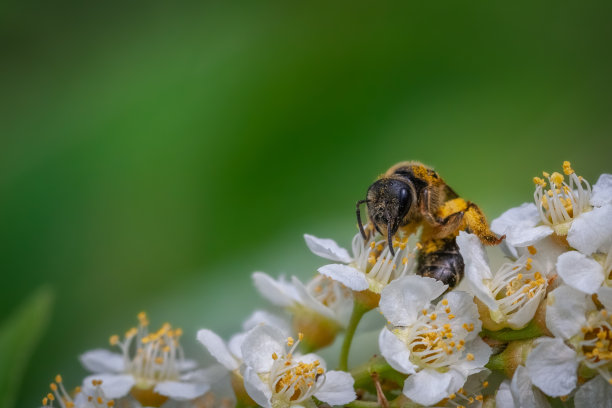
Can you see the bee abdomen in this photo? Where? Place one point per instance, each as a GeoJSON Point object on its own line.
{"type": "Point", "coordinates": [444, 264]}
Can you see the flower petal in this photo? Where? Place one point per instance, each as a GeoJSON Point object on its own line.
{"type": "Point", "coordinates": [208, 375]}
{"type": "Point", "coordinates": [337, 388]}
{"type": "Point", "coordinates": [113, 385]}
{"type": "Point", "coordinates": [256, 389]}
{"type": "Point", "coordinates": [525, 313]}
{"type": "Point", "coordinates": [264, 317]}
{"type": "Point", "coordinates": [428, 386]}
{"type": "Point", "coordinates": [310, 302]}
{"type": "Point", "coordinates": [327, 248]}
{"type": "Point", "coordinates": [217, 348]}
{"type": "Point", "coordinates": [395, 352]}
{"type": "Point", "coordinates": [234, 345]}
{"type": "Point", "coordinates": [604, 295]}
{"type": "Point", "coordinates": [580, 272]}
{"type": "Point", "coordinates": [181, 391]}
{"type": "Point", "coordinates": [523, 391]}
{"type": "Point", "coordinates": [278, 291]}
{"type": "Point", "coordinates": [591, 230]}
{"type": "Point", "coordinates": [595, 393]}
{"type": "Point", "coordinates": [481, 352]}
{"type": "Point", "coordinates": [503, 397]}
{"type": "Point", "coordinates": [477, 269]}
{"type": "Point", "coordinates": [348, 276]}
{"type": "Point", "coordinates": [602, 191]}
{"type": "Point", "coordinates": [102, 361]}
{"type": "Point", "coordinates": [402, 299]}
{"type": "Point", "coordinates": [259, 345]}
{"type": "Point", "coordinates": [519, 224]}
{"type": "Point", "coordinates": [551, 366]}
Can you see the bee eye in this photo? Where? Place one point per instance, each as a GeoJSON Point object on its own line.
{"type": "Point", "coordinates": [404, 202]}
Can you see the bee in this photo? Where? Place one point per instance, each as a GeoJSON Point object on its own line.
{"type": "Point", "coordinates": [411, 195]}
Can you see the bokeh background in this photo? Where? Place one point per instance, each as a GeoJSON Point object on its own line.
{"type": "Point", "coordinates": [154, 154]}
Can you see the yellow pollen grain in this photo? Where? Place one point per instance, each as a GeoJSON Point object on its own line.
{"type": "Point", "coordinates": [528, 265]}
{"type": "Point", "coordinates": [100, 400]}
{"type": "Point", "coordinates": [113, 340]}
{"type": "Point", "coordinates": [424, 311]}
{"type": "Point", "coordinates": [471, 400]}
{"type": "Point", "coordinates": [274, 356]}
{"type": "Point", "coordinates": [479, 397]}
{"type": "Point", "coordinates": [45, 400]}
{"type": "Point", "coordinates": [601, 335]}
{"type": "Point", "coordinates": [451, 316]}
{"type": "Point", "coordinates": [557, 178]}
{"type": "Point", "coordinates": [301, 336]}
{"type": "Point", "coordinates": [58, 378]}
{"type": "Point", "coordinates": [452, 396]}
{"type": "Point", "coordinates": [53, 386]}
{"type": "Point", "coordinates": [469, 357]}
{"type": "Point", "coordinates": [532, 250]}
{"type": "Point", "coordinates": [404, 261]}
{"type": "Point", "coordinates": [546, 174]}
{"type": "Point", "coordinates": [567, 168]}
{"type": "Point", "coordinates": [372, 245]}
{"type": "Point", "coordinates": [485, 384]}
{"type": "Point", "coordinates": [539, 182]}
{"type": "Point", "coordinates": [51, 397]}
{"type": "Point", "coordinates": [290, 341]}
{"type": "Point", "coordinates": [433, 316]}
{"type": "Point", "coordinates": [447, 310]}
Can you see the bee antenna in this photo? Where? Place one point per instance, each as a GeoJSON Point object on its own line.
{"type": "Point", "coordinates": [390, 238]}
{"type": "Point", "coordinates": [358, 212]}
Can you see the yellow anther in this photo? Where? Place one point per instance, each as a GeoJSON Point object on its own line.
{"type": "Point", "coordinates": [53, 386]}
{"type": "Point", "coordinates": [301, 336]}
{"type": "Point", "coordinates": [546, 174]}
{"type": "Point", "coordinates": [557, 178]}
{"type": "Point", "coordinates": [45, 400]}
{"type": "Point", "coordinates": [110, 403]}
{"type": "Point", "coordinates": [433, 316]}
{"type": "Point", "coordinates": [479, 397]}
{"type": "Point", "coordinates": [528, 265]}
{"type": "Point", "coordinates": [290, 341]}
{"type": "Point", "coordinates": [320, 370]}
{"type": "Point", "coordinates": [471, 400]}
{"type": "Point", "coordinates": [274, 356]}
{"type": "Point", "coordinates": [69, 404]}
{"type": "Point", "coordinates": [372, 245]}
{"type": "Point", "coordinates": [452, 396]}
{"type": "Point", "coordinates": [424, 311]}
{"type": "Point", "coordinates": [610, 381]}
{"type": "Point", "coordinates": [404, 261]}
{"type": "Point", "coordinates": [77, 390]}
{"type": "Point", "coordinates": [539, 182]}
{"type": "Point", "coordinates": [564, 398]}
{"type": "Point", "coordinates": [58, 378]}
{"type": "Point", "coordinates": [100, 400]}
{"type": "Point", "coordinates": [567, 168]}
{"type": "Point", "coordinates": [50, 397]}
{"type": "Point", "coordinates": [451, 316]}
{"type": "Point", "coordinates": [469, 357]}
{"type": "Point", "coordinates": [445, 302]}
{"type": "Point", "coordinates": [90, 398]}
{"type": "Point", "coordinates": [159, 360]}
{"type": "Point", "coordinates": [113, 340]}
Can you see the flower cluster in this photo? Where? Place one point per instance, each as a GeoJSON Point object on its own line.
{"type": "Point", "coordinates": [538, 326]}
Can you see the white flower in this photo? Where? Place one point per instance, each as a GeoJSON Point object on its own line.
{"type": "Point", "coordinates": [513, 293]}
{"type": "Point", "coordinates": [372, 265]}
{"type": "Point", "coordinates": [322, 296]}
{"type": "Point", "coordinates": [520, 392]}
{"type": "Point", "coordinates": [229, 354]}
{"type": "Point", "coordinates": [437, 344]}
{"type": "Point", "coordinates": [91, 397]}
{"type": "Point", "coordinates": [276, 377]}
{"type": "Point", "coordinates": [151, 366]}
{"type": "Point", "coordinates": [574, 319]}
{"type": "Point", "coordinates": [569, 209]}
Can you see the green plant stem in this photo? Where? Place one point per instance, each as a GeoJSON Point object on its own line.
{"type": "Point", "coordinates": [363, 373]}
{"type": "Point", "coordinates": [359, 310]}
{"type": "Point", "coordinates": [496, 362]}
{"type": "Point", "coordinates": [530, 331]}
{"type": "Point", "coordinates": [362, 404]}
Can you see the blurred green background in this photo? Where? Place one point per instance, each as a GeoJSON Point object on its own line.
{"type": "Point", "coordinates": [153, 155]}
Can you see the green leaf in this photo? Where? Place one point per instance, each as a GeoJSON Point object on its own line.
{"type": "Point", "coordinates": [19, 335]}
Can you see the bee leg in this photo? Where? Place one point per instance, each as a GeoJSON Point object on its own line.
{"type": "Point", "coordinates": [442, 226]}
{"type": "Point", "coordinates": [443, 263]}
{"type": "Point", "coordinates": [476, 223]}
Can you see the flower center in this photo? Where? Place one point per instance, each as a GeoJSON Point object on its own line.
{"type": "Point", "coordinates": [515, 284]}
{"type": "Point", "coordinates": [291, 380]}
{"type": "Point", "coordinates": [374, 259]}
{"type": "Point", "coordinates": [435, 340]}
{"type": "Point", "coordinates": [150, 357]}
{"type": "Point", "coordinates": [97, 400]}
{"type": "Point", "coordinates": [559, 202]}
{"type": "Point", "coordinates": [596, 343]}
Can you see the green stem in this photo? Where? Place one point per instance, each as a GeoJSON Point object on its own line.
{"type": "Point", "coordinates": [496, 362]}
{"type": "Point", "coordinates": [530, 331]}
{"type": "Point", "coordinates": [359, 310]}
{"type": "Point", "coordinates": [362, 404]}
{"type": "Point", "coordinates": [363, 373]}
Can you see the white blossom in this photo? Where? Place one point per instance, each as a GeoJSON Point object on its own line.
{"type": "Point", "coordinates": [512, 294]}
{"type": "Point", "coordinates": [566, 208]}
{"type": "Point", "coordinates": [276, 377]}
{"type": "Point", "coordinates": [150, 363]}
{"type": "Point", "coordinates": [437, 344]}
{"type": "Point", "coordinates": [520, 392]}
{"type": "Point", "coordinates": [372, 265]}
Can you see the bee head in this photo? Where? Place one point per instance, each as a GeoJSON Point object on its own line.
{"type": "Point", "coordinates": [388, 201]}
